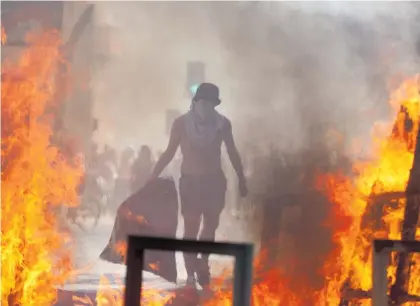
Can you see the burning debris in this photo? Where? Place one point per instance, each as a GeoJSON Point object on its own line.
{"type": "Point", "coordinates": [372, 205]}
{"type": "Point", "coordinates": [36, 178]}
{"type": "Point", "coordinates": [365, 204]}
{"type": "Point", "coordinates": [140, 214]}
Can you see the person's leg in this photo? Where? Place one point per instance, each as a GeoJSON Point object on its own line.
{"type": "Point", "coordinates": [214, 205]}
{"type": "Point", "coordinates": [208, 233]}
{"type": "Point", "coordinates": [191, 212]}
{"type": "Point", "coordinates": [191, 228]}
{"type": "Point", "coordinates": [210, 225]}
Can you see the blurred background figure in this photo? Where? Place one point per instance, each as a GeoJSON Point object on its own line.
{"type": "Point", "coordinates": [167, 171]}
{"type": "Point", "coordinates": [92, 164]}
{"type": "Point", "coordinates": [122, 183]}
{"type": "Point", "coordinates": [107, 174]}
{"type": "Point", "coordinates": [142, 168]}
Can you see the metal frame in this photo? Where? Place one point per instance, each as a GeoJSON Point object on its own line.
{"type": "Point", "coordinates": [243, 254]}
{"type": "Point", "coordinates": [381, 251]}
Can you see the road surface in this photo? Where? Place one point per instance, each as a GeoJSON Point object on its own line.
{"type": "Point", "coordinates": [91, 269]}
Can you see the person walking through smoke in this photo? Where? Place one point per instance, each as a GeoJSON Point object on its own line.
{"type": "Point", "coordinates": [200, 134]}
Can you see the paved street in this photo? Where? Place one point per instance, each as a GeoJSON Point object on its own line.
{"type": "Point", "coordinates": [91, 268]}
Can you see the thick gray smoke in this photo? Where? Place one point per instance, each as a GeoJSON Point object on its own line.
{"type": "Point", "coordinates": [288, 73]}
{"type": "Point", "coordinates": [283, 67]}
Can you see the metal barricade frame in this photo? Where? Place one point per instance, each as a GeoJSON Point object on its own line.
{"type": "Point", "coordinates": [243, 254]}
{"type": "Point", "coordinates": [381, 251]}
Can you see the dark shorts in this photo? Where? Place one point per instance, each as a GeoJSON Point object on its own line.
{"type": "Point", "coordinates": [202, 195]}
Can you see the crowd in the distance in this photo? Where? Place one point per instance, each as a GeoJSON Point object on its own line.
{"type": "Point", "coordinates": [118, 176]}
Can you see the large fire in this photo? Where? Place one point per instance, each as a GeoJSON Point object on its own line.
{"type": "Point", "coordinates": [358, 215]}
{"type": "Point", "coordinates": [359, 212]}
{"type": "Point", "coordinates": [35, 178]}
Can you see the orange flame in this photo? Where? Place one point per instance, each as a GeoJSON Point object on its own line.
{"type": "Point", "coordinates": [3, 36]}
{"type": "Point", "coordinates": [359, 214]}
{"type": "Point", "coordinates": [350, 261]}
{"type": "Point", "coordinates": [35, 177]}
{"type": "Point", "coordinates": [353, 199]}
{"type": "Point", "coordinates": [108, 296]}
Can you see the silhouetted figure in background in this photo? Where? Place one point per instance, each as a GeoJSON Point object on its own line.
{"type": "Point", "coordinates": [92, 162]}
{"type": "Point", "coordinates": [200, 133]}
{"type": "Point", "coordinates": [126, 161]}
{"type": "Point", "coordinates": [107, 164]}
{"type": "Point", "coordinates": [141, 169]}
{"type": "Point", "coordinates": [93, 153]}
{"type": "Point", "coordinates": [107, 174]}
{"type": "Point", "coordinates": [122, 184]}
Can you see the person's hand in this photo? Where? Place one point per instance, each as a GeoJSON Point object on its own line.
{"type": "Point", "coordinates": [243, 189]}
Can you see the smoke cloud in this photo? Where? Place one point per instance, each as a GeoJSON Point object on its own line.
{"type": "Point", "coordinates": [288, 73]}
{"type": "Point", "coordinates": [291, 67]}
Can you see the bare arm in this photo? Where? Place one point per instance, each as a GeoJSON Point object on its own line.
{"type": "Point", "coordinates": [170, 151]}
{"type": "Point", "coordinates": [233, 153]}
